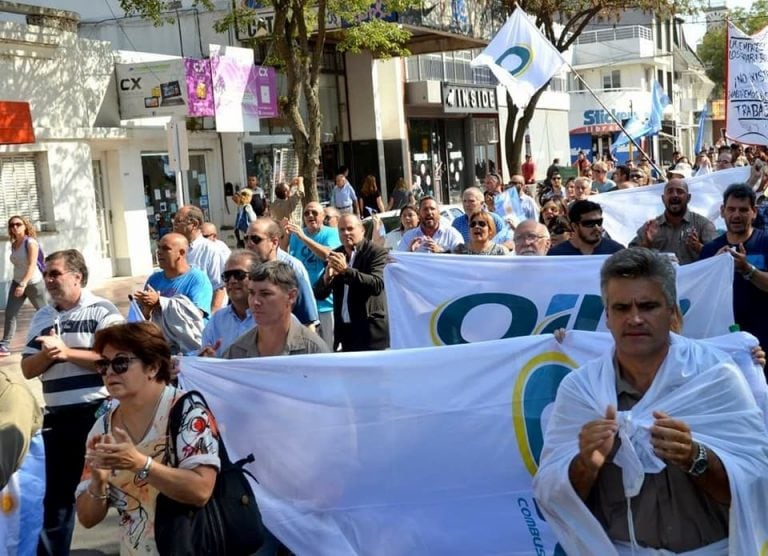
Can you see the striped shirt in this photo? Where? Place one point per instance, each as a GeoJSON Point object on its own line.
{"type": "Point", "coordinates": [65, 383]}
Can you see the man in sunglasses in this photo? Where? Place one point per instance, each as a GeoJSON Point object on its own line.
{"type": "Point", "coordinates": [312, 245]}
{"type": "Point", "coordinates": [234, 320]}
{"type": "Point", "coordinates": [263, 238]}
{"type": "Point", "coordinates": [58, 352]}
{"type": "Point", "coordinates": [587, 239]}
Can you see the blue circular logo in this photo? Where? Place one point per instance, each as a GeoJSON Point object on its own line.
{"type": "Point", "coordinates": [516, 59]}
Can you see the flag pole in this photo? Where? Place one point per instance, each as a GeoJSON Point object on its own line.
{"type": "Point", "coordinates": [615, 119]}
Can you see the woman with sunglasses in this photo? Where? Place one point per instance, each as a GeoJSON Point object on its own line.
{"type": "Point", "coordinates": [125, 452]}
{"type": "Point", "coordinates": [409, 219]}
{"type": "Point", "coordinates": [27, 280]}
{"type": "Point", "coordinates": [481, 232]}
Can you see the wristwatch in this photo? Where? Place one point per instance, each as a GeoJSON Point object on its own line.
{"type": "Point", "coordinates": [143, 473]}
{"type": "Point", "coordinates": [750, 273]}
{"type": "Point", "coordinates": [700, 462]}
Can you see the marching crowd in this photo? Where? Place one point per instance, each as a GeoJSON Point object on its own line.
{"type": "Point", "coordinates": [317, 286]}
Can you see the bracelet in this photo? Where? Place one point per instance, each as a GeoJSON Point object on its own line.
{"type": "Point", "coordinates": [749, 274]}
{"type": "Point", "coordinates": [97, 496]}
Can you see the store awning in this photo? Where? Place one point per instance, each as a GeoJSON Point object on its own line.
{"type": "Point", "coordinates": [15, 123]}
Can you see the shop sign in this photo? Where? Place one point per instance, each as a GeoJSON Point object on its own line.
{"type": "Point", "coordinates": [469, 99]}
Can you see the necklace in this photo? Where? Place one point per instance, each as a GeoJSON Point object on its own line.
{"type": "Point", "coordinates": [149, 424]}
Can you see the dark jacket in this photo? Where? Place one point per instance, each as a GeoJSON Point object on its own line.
{"type": "Point", "coordinates": [369, 326]}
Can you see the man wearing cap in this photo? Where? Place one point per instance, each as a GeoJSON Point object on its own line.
{"type": "Point", "coordinates": [677, 230]}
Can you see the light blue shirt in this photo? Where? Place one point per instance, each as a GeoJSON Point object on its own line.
{"type": "Point", "coordinates": [209, 258]}
{"type": "Point", "coordinates": [305, 308]}
{"type": "Point", "coordinates": [226, 326]}
{"type": "Point", "coordinates": [345, 197]}
{"type": "Point", "coordinates": [194, 284]}
{"type": "Point", "coordinates": [326, 236]}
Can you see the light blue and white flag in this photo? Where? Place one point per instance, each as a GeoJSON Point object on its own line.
{"type": "Point", "coordinates": [700, 133]}
{"type": "Point", "coordinates": [521, 58]}
{"type": "Point", "coordinates": [652, 126]}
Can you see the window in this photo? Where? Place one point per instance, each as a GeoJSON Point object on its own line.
{"type": "Point", "coordinates": [612, 79]}
{"type": "Point", "coordinates": [21, 190]}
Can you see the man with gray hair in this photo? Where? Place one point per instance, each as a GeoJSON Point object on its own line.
{"type": "Point", "coordinates": [531, 238]}
{"type": "Point", "coordinates": [235, 319]}
{"type": "Point", "coordinates": [659, 423]}
{"type": "Point", "coordinates": [272, 292]}
{"type": "Point", "coordinates": [202, 253]}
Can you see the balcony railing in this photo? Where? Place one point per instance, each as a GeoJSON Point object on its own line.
{"type": "Point", "coordinates": [615, 34]}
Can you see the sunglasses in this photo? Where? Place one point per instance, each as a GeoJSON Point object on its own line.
{"type": "Point", "coordinates": [591, 223]}
{"type": "Point", "coordinates": [478, 223]}
{"type": "Point", "coordinates": [119, 364]}
{"type": "Point", "coordinates": [636, 176]}
{"type": "Point", "coordinates": [238, 275]}
{"type": "Point", "coordinates": [208, 236]}
{"type": "Point", "coordinates": [556, 178]}
{"type": "Point", "coordinates": [15, 224]}
{"type": "Point", "coordinates": [254, 239]}
{"type": "Point", "coordinates": [311, 213]}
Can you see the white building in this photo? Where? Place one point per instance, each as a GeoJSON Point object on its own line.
{"type": "Point", "coordinates": [620, 60]}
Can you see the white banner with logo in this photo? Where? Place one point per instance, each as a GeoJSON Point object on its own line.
{"type": "Point", "coordinates": [626, 210]}
{"type": "Point", "coordinates": [402, 452]}
{"type": "Point", "coordinates": [453, 299]}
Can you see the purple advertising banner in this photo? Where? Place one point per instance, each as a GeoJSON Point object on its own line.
{"type": "Point", "coordinates": [199, 87]}
{"type": "Point", "coordinates": [263, 85]}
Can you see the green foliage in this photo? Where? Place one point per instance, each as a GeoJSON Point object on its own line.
{"type": "Point", "coordinates": [382, 39]}
{"type": "Point", "coordinates": [158, 11]}
{"type": "Point", "coordinates": [712, 48]}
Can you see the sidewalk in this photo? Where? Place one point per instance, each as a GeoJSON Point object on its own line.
{"type": "Point", "coordinates": [103, 539]}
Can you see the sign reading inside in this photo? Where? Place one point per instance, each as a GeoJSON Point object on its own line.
{"type": "Point", "coordinates": [469, 99]}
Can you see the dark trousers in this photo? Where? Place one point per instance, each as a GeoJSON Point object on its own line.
{"type": "Point", "coordinates": [65, 431]}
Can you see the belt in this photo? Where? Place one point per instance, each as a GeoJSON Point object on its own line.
{"type": "Point", "coordinates": [344, 207]}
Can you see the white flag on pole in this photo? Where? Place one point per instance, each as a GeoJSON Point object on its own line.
{"type": "Point", "coordinates": [521, 58]}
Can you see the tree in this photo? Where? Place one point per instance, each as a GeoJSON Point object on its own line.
{"type": "Point", "coordinates": [712, 48]}
{"type": "Point", "coordinates": [296, 45]}
{"type": "Point", "coordinates": [562, 22]}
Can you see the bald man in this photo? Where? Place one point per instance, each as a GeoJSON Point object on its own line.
{"type": "Point", "coordinates": [160, 297]}
{"type": "Point", "coordinates": [211, 233]}
{"type": "Point", "coordinates": [531, 238]}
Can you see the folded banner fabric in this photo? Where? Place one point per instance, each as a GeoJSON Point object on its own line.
{"type": "Point", "coordinates": [521, 58]}
{"type": "Point", "coordinates": [488, 298]}
{"type": "Point", "coordinates": [403, 452]}
{"type": "Point", "coordinates": [626, 210]}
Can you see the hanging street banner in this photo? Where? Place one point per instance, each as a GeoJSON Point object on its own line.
{"type": "Point", "coordinates": [624, 211]}
{"type": "Point", "coordinates": [404, 452]}
{"type": "Point", "coordinates": [746, 87]}
{"type": "Point", "coordinates": [454, 299]}
{"type": "Point", "coordinates": [235, 93]}
{"type": "Point", "coordinates": [199, 87]}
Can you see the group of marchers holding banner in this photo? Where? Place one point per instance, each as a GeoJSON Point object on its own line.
{"type": "Point", "coordinates": [659, 446]}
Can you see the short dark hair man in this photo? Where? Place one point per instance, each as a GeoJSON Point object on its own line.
{"type": "Point", "coordinates": [587, 238]}
{"type": "Point", "coordinates": [685, 432]}
{"type": "Point", "coordinates": [58, 351]}
{"type": "Point", "coordinates": [355, 276]}
{"type": "Point", "coordinates": [677, 230]}
{"type": "Point", "coordinates": [749, 248]}
{"type": "Point", "coordinates": [621, 177]}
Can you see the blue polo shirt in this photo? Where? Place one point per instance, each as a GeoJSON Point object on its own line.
{"type": "Point", "coordinates": [326, 236]}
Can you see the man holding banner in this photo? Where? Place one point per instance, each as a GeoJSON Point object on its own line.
{"type": "Point", "coordinates": [658, 424]}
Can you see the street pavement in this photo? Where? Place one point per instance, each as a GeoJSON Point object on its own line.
{"type": "Point", "coordinates": [104, 539]}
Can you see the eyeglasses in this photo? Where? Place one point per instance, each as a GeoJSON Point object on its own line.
{"type": "Point", "coordinates": [119, 364]}
{"type": "Point", "coordinates": [180, 221]}
{"type": "Point", "coordinates": [591, 223]}
{"type": "Point", "coordinates": [15, 224]}
{"type": "Point", "coordinates": [478, 223]}
{"type": "Point", "coordinates": [311, 212]}
{"type": "Point", "coordinates": [208, 236]}
{"type": "Point", "coordinates": [55, 274]}
{"type": "Point", "coordinates": [636, 176]}
{"type": "Point", "coordinates": [599, 171]}
{"type": "Point", "coordinates": [516, 183]}
{"type": "Point", "coordinates": [254, 239]}
{"type": "Point", "coordinates": [525, 238]}
{"type": "Point", "coordinates": [237, 274]}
